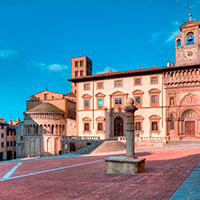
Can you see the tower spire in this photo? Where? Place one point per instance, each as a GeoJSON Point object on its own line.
{"type": "Point", "coordinates": [190, 15]}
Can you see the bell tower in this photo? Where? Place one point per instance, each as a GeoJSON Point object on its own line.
{"type": "Point", "coordinates": [81, 66]}
{"type": "Point", "coordinates": [188, 43]}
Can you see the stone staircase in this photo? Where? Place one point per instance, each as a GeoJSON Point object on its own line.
{"type": "Point", "coordinates": [182, 142]}
{"type": "Point", "coordinates": [89, 148]}
{"type": "Point", "coordinates": [102, 147]}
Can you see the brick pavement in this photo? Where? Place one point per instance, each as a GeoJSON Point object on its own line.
{"type": "Point", "coordinates": [165, 172]}
{"type": "Point", "coordinates": [5, 167]}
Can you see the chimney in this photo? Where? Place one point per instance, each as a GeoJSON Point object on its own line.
{"type": "Point", "coordinates": [18, 120]}
{"type": "Point", "coordinates": [110, 70]}
{"type": "Point", "coordinates": [141, 67]}
{"type": "Point", "coordinates": [171, 64]}
{"type": "Point", "coordinates": [168, 64]}
{"type": "Point", "coordinates": [10, 122]}
{"type": "Point", "coordinates": [154, 66]}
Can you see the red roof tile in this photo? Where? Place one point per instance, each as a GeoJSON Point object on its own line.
{"type": "Point", "coordinates": [130, 73]}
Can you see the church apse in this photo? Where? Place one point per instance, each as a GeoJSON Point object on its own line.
{"type": "Point", "coordinates": [49, 117]}
{"type": "Point", "coordinates": [44, 125]}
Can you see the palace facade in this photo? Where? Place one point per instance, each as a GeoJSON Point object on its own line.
{"type": "Point", "coordinates": [167, 98]}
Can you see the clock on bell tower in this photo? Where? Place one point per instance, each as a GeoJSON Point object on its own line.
{"type": "Point", "coordinates": [188, 43]}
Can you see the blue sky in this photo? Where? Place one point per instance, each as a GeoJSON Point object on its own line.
{"type": "Point", "coordinates": [39, 37]}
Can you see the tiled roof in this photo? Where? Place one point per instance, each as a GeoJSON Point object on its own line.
{"type": "Point", "coordinates": [3, 122]}
{"type": "Point", "coordinates": [45, 91]}
{"type": "Point", "coordinates": [71, 94]}
{"type": "Point", "coordinates": [1, 119]}
{"type": "Point", "coordinates": [45, 107]}
{"type": "Point", "coordinates": [136, 72]}
{"type": "Point", "coordinates": [191, 23]}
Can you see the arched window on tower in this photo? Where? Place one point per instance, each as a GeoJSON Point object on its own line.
{"type": "Point", "coordinates": [171, 101]}
{"type": "Point", "coordinates": [178, 43]}
{"type": "Point", "coordinates": [190, 38]}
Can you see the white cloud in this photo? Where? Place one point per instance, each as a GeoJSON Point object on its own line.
{"type": "Point", "coordinates": [56, 67]}
{"type": "Point", "coordinates": [7, 53]}
{"type": "Point", "coordinates": [106, 70]}
{"type": "Point", "coordinates": [51, 67]}
{"type": "Point", "coordinates": [172, 36]}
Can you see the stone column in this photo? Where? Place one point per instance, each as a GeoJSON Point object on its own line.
{"type": "Point", "coordinates": [130, 135]}
{"type": "Point", "coordinates": [128, 164]}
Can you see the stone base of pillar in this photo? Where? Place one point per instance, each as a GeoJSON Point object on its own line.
{"type": "Point", "coordinates": [123, 165]}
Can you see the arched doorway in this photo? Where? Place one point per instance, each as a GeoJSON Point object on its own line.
{"type": "Point", "coordinates": [118, 126]}
{"type": "Point", "coordinates": [189, 123]}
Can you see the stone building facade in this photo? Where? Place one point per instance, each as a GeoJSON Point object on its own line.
{"type": "Point", "coordinates": [8, 139]}
{"type": "Point", "coordinates": [167, 97]}
{"type": "Point", "coordinates": [48, 118]}
{"type": "Point", "coordinates": [81, 66]}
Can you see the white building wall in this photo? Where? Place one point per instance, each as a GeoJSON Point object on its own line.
{"type": "Point", "coordinates": [128, 87]}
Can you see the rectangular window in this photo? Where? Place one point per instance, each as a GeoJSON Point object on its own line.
{"type": "Point", "coordinates": [154, 99]}
{"type": "Point", "coordinates": [7, 144]}
{"type": "Point", "coordinates": [11, 143]}
{"type": "Point", "coordinates": [100, 126]}
{"type": "Point", "coordinates": [81, 63]}
{"type": "Point", "coordinates": [86, 86]}
{"type": "Point", "coordinates": [2, 144]}
{"type": "Point", "coordinates": [154, 126]}
{"type": "Point", "coordinates": [2, 135]}
{"type": "Point", "coordinates": [22, 138]}
{"type": "Point", "coordinates": [138, 126]}
{"type": "Point", "coordinates": [14, 143]}
{"type": "Point", "coordinates": [154, 80]}
{"type": "Point", "coordinates": [45, 96]}
{"type": "Point", "coordinates": [118, 83]}
{"type": "Point", "coordinates": [100, 102]}
{"type": "Point", "coordinates": [137, 81]}
{"type": "Point", "coordinates": [81, 73]}
{"type": "Point", "coordinates": [100, 85]}
{"type": "Point", "coordinates": [86, 102]}
{"type": "Point", "coordinates": [137, 100]}
{"type": "Point", "coordinates": [118, 101]}
{"type": "Point", "coordinates": [76, 63]}
{"type": "Point", "coordinates": [86, 127]}
{"type": "Point", "coordinates": [76, 73]}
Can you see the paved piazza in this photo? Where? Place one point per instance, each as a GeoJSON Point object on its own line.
{"type": "Point", "coordinates": [83, 177]}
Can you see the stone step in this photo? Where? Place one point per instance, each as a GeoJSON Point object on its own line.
{"type": "Point", "coordinates": [109, 146]}
{"type": "Point", "coordinates": [89, 148]}
{"type": "Point", "coordinates": [181, 142]}
{"type": "Point", "coordinates": [102, 147]}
